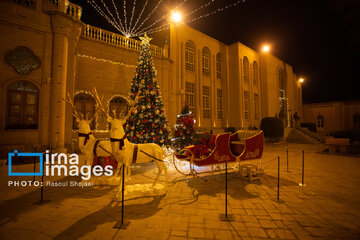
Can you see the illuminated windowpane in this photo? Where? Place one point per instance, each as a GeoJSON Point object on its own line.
{"type": "Point", "coordinates": [206, 102]}
{"type": "Point", "coordinates": [22, 111]}
{"type": "Point", "coordinates": [189, 56]}
{"type": "Point", "coordinates": [206, 61]}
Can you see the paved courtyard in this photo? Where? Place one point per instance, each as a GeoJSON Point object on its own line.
{"type": "Point", "coordinates": [328, 207]}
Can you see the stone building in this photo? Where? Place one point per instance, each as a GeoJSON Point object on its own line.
{"type": "Point", "coordinates": [333, 116]}
{"type": "Point", "coordinates": [47, 51]}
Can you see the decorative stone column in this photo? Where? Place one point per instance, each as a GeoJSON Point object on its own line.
{"type": "Point", "coordinates": [63, 29]}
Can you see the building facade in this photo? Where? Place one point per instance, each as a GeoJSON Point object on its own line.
{"type": "Point", "coordinates": [333, 116]}
{"type": "Point", "coordinates": [47, 52]}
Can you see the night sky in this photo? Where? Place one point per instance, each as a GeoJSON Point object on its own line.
{"type": "Point", "coordinates": [319, 38]}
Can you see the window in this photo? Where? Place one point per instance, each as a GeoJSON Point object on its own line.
{"type": "Point", "coordinates": [219, 104]}
{"type": "Point", "coordinates": [190, 56]}
{"type": "Point", "coordinates": [256, 106]}
{"type": "Point", "coordinates": [189, 95]}
{"type": "Point", "coordinates": [206, 61]}
{"type": "Point", "coordinates": [246, 104]}
{"type": "Point", "coordinates": [246, 69]}
{"type": "Point", "coordinates": [206, 101]}
{"type": "Point", "coordinates": [218, 65]}
{"type": "Point", "coordinates": [23, 105]}
{"type": "Point", "coordinates": [85, 107]}
{"type": "Point", "coordinates": [255, 73]}
{"type": "Point", "coordinates": [119, 104]}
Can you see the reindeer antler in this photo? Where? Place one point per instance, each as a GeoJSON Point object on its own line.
{"type": "Point", "coordinates": [100, 105]}
{"type": "Point", "coordinates": [70, 101]}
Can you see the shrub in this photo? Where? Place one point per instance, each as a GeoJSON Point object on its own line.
{"type": "Point", "coordinates": [272, 127]}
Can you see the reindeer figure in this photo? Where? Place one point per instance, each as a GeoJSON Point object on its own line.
{"type": "Point", "coordinates": [88, 144]}
{"type": "Point", "coordinates": [126, 151]}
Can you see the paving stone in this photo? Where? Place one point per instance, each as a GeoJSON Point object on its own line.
{"type": "Point", "coordinates": [256, 232]}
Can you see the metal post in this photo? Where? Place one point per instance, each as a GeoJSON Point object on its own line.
{"type": "Point", "coordinates": [122, 224]}
{"type": "Point", "coordinates": [122, 194]}
{"type": "Point", "coordinates": [226, 215]}
{"type": "Point", "coordinates": [278, 189]}
{"type": "Point", "coordinates": [303, 170]}
{"type": "Point", "coordinates": [287, 158]}
{"type": "Point", "coordinates": [34, 164]}
{"type": "Point", "coordinates": [303, 165]}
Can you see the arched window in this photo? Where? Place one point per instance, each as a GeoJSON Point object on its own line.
{"type": "Point", "coordinates": [255, 73]}
{"type": "Point", "coordinates": [85, 106]}
{"type": "Point", "coordinates": [119, 104]}
{"type": "Point", "coordinates": [190, 56]}
{"type": "Point", "coordinates": [218, 65]}
{"type": "Point", "coordinates": [206, 61]}
{"type": "Point", "coordinates": [246, 69]}
{"type": "Point", "coordinates": [23, 106]}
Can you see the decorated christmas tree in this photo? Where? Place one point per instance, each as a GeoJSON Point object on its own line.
{"type": "Point", "coordinates": [184, 128]}
{"type": "Point", "coordinates": [147, 123]}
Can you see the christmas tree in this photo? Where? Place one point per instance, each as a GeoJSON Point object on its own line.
{"type": "Point", "coordinates": [184, 128]}
{"type": "Point", "coordinates": [147, 123]}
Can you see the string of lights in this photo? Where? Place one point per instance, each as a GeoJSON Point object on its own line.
{"type": "Point", "coordinates": [128, 29]}
{"type": "Point", "coordinates": [216, 11]}
{"type": "Point", "coordinates": [125, 24]}
{"type": "Point", "coordinates": [117, 13]}
{"type": "Point", "coordinates": [201, 7]}
{"type": "Point", "coordinates": [141, 13]}
{"type": "Point", "coordinates": [105, 60]}
{"type": "Point", "coordinates": [151, 13]}
{"type": "Point", "coordinates": [99, 10]}
{"type": "Point", "coordinates": [132, 14]}
{"type": "Point", "coordinates": [107, 9]}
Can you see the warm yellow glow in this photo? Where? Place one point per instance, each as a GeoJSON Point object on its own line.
{"type": "Point", "coordinates": [301, 80]}
{"type": "Point", "coordinates": [176, 17]}
{"type": "Point", "coordinates": [266, 48]}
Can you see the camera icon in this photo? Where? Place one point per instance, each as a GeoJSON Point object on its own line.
{"type": "Point", "coordinates": [15, 154]}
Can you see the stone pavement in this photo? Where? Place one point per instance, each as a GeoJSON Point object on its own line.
{"type": "Point", "coordinates": [328, 207]}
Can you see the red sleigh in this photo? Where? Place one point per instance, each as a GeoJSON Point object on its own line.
{"type": "Point", "coordinates": [226, 147]}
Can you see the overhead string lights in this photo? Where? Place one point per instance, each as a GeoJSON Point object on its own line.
{"type": "Point", "coordinates": [133, 24]}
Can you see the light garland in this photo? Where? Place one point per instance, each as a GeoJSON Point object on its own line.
{"type": "Point", "coordinates": [151, 13]}
{"type": "Point", "coordinates": [105, 60]}
{"type": "Point", "coordinates": [216, 11]}
{"type": "Point", "coordinates": [129, 29]}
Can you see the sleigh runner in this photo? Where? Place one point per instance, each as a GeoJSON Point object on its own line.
{"type": "Point", "coordinates": [243, 145]}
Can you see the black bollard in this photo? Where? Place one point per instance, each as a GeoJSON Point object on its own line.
{"type": "Point", "coordinates": [303, 171]}
{"type": "Point", "coordinates": [226, 216]}
{"type": "Point", "coordinates": [287, 158]}
{"type": "Point", "coordinates": [278, 188]}
{"type": "Point", "coordinates": [226, 189]}
{"type": "Point", "coordinates": [34, 164]}
{"type": "Point", "coordinates": [122, 224]}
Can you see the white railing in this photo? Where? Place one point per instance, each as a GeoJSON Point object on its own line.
{"type": "Point", "coordinates": [101, 35]}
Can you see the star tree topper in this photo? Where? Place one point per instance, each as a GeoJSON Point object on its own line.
{"type": "Point", "coordinates": [145, 39]}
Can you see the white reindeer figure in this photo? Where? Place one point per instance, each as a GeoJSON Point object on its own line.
{"type": "Point", "coordinates": [126, 151]}
{"type": "Point", "coordinates": [88, 144]}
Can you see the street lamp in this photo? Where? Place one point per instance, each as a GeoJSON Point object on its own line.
{"type": "Point", "coordinates": [176, 17]}
{"type": "Point", "coordinates": [266, 48]}
{"type": "Point", "coordinates": [301, 80]}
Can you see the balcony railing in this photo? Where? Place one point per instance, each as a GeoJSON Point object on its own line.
{"type": "Point", "coordinates": [107, 37]}
{"type": "Point", "coordinates": [74, 11]}
{"type": "Point", "coordinates": [25, 3]}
